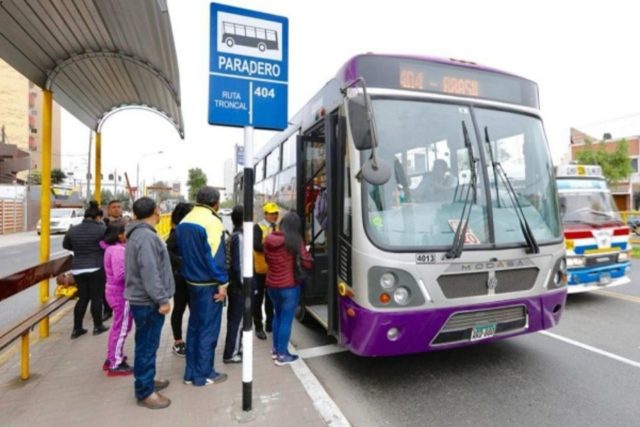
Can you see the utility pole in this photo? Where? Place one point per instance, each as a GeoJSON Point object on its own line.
{"type": "Point", "coordinates": [89, 171]}
{"type": "Point", "coordinates": [2, 135]}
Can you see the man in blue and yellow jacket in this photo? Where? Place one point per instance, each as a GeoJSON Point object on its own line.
{"type": "Point", "coordinates": [201, 245]}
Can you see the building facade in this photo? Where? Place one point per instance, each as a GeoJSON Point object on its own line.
{"type": "Point", "coordinates": [21, 126]}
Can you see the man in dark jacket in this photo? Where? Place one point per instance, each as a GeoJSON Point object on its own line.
{"type": "Point", "coordinates": [232, 345]}
{"type": "Point", "coordinates": [149, 286]}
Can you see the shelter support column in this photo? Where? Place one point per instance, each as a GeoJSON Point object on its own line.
{"type": "Point", "coordinates": [45, 200]}
{"type": "Point", "coordinates": [97, 194]}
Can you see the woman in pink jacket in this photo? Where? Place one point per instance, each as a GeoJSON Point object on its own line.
{"type": "Point", "coordinates": [115, 244]}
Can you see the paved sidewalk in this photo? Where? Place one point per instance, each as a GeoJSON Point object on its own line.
{"type": "Point", "coordinates": [68, 388]}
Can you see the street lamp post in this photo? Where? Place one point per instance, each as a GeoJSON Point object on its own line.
{"type": "Point", "coordinates": [138, 169]}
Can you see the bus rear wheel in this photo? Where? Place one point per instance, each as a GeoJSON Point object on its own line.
{"type": "Point", "coordinates": [229, 42]}
{"type": "Point", "coordinates": [262, 47]}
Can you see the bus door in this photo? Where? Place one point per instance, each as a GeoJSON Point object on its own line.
{"type": "Point", "coordinates": [311, 181]}
{"type": "Point", "coordinates": [314, 205]}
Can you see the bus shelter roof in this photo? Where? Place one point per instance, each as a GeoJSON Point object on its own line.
{"type": "Point", "coordinates": [97, 56]}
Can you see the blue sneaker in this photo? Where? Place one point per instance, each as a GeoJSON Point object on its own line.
{"type": "Point", "coordinates": [274, 355]}
{"type": "Point", "coordinates": [285, 359]}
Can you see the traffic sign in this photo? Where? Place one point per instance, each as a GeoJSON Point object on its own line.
{"type": "Point", "coordinates": [248, 70]}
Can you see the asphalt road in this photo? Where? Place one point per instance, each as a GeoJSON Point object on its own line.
{"type": "Point", "coordinates": [585, 373]}
{"type": "Point", "coordinates": [15, 258]}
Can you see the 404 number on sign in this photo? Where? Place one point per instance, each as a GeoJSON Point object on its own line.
{"type": "Point", "coordinates": [264, 92]}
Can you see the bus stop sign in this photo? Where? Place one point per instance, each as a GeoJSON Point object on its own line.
{"type": "Point", "coordinates": [248, 71]}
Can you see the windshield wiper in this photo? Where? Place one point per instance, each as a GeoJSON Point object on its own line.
{"type": "Point", "coordinates": [461, 229]}
{"type": "Point", "coordinates": [524, 224]}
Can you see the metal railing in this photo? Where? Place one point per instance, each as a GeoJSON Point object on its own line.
{"type": "Point", "coordinates": [20, 281]}
{"type": "Point", "coordinates": [164, 226]}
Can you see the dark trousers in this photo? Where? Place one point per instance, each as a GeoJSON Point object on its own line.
{"type": "Point", "coordinates": [180, 302]}
{"type": "Point", "coordinates": [90, 288]}
{"type": "Point", "coordinates": [235, 311]}
{"type": "Point", "coordinates": [285, 301]}
{"type": "Point", "coordinates": [202, 333]}
{"type": "Point", "coordinates": [261, 295]}
{"type": "Point", "coordinates": [148, 328]}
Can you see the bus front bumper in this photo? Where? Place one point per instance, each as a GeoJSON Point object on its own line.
{"type": "Point", "coordinates": [379, 333]}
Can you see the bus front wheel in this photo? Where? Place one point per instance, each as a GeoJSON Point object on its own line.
{"type": "Point", "coordinates": [262, 47]}
{"type": "Point", "coordinates": [302, 315]}
{"type": "Point", "coordinates": [229, 42]}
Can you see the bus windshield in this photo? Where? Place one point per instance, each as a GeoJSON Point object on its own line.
{"type": "Point", "coordinates": [421, 205]}
{"type": "Point", "coordinates": [587, 206]}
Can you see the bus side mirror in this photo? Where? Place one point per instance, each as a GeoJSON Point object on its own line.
{"type": "Point", "coordinates": [359, 122]}
{"type": "Point", "coordinates": [376, 171]}
{"type": "Point", "coordinates": [363, 132]}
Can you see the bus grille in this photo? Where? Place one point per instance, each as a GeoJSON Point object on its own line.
{"type": "Point", "coordinates": [464, 285]}
{"type": "Point", "coordinates": [459, 326]}
{"type": "Point", "coordinates": [475, 284]}
{"type": "Point", "coordinates": [516, 280]}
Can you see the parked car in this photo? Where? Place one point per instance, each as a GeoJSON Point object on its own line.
{"type": "Point", "coordinates": [63, 218]}
{"type": "Point", "coordinates": [225, 211]}
{"type": "Point", "coordinates": [633, 222]}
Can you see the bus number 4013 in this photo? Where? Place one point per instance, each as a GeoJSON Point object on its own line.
{"type": "Point", "coordinates": [264, 92]}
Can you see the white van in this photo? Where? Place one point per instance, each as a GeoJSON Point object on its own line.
{"type": "Point", "coordinates": [63, 218]}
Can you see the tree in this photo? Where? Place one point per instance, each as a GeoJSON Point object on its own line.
{"type": "Point", "coordinates": [106, 196]}
{"type": "Point", "coordinates": [57, 176]}
{"type": "Point", "coordinates": [197, 180]}
{"type": "Point", "coordinates": [616, 165]}
{"type": "Point", "coordinates": [35, 178]}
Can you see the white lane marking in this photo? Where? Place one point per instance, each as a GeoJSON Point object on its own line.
{"type": "Point", "coordinates": [625, 297]}
{"type": "Point", "coordinates": [323, 350]}
{"type": "Point", "coordinates": [593, 349]}
{"type": "Point", "coordinates": [329, 411]}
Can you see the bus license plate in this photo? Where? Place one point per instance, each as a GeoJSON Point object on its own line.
{"type": "Point", "coordinates": [605, 278]}
{"type": "Point", "coordinates": [480, 332]}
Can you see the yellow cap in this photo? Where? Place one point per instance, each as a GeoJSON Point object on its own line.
{"type": "Point", "coordinates": [270, 208]}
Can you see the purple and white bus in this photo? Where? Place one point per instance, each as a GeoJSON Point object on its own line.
{"type": "Point", "coordinates": [429, 204]}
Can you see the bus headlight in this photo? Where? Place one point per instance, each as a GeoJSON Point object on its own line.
{"type": "Point", "coordinates": [575, 261]}
{"type": "Point", "coordinates": [390, 288]}
{"type": "Point", "coordinates": [401, 296]}
{"type": "Point", "coordinates": [623, 256]}
{"type": "Point", "coordinates": [388, 280]}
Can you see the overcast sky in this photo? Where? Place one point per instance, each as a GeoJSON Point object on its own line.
{"type": "Point", "coordinates": [584, 58]}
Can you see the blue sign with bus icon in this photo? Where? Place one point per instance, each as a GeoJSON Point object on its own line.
{"type": "Point", "coordinates": [248, 71]}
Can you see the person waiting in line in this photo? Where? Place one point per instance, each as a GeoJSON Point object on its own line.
{"type": "Point", "coordinates": [435, 183]}
{"type": "Point", "coordinates": [149, 287]}
{"type": "Point", "coordinates": [87, 268]}
{"type": "Point", "coordinates": [181, 297]}
{"type": "Point", "coordinates": [114, 244]}
{"type": "Point", "coordinates": [235, 310]}
{"type": "Point", "coordinates": [202, 248]}
{"type": "Point", "coordinates": [114, 213]}
{"type": "Point", "coordinates": [282, 251]}
{"type": "Point", "coordinates": [261, 230]}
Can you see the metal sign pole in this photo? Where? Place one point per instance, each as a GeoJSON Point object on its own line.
{"type": "Point", "coordinates": [247, 272]}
